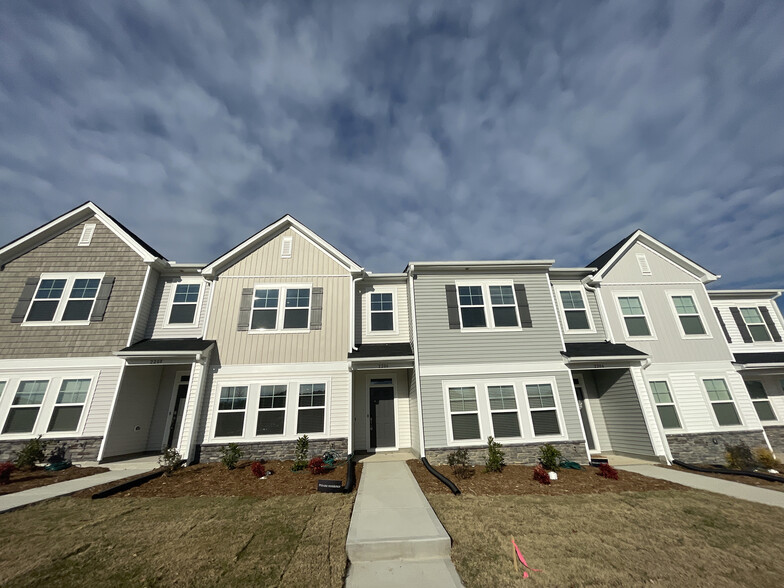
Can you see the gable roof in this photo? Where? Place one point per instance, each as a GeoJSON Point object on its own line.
{"type": "Point", "coordinates": [229, 258]}
{"type": "Point", "coordinates": [73, 217]}
{"type": "Point", "coordinates": [609, 258]}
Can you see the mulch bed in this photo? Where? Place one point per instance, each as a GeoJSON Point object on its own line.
{"type": "Point", "coordinates": [25, 480]}
{"type": "Point", "coordinates": [518, 479]}
{"type": "Point", "coordinates": [213, 479]}
{"type": "Point", "coordinates": [742, 479]}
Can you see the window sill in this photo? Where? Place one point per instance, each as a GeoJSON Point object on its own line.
{"type": "Point", "coordinates": [579, 331]}
{"type": "Point", "coordinates": [56, 324]}
{"type": "Point", "coordinates": [180, 325]}
{"type": "Point", "coordinates": [277, 331]}
{"type": "Point", "coordinates": [489, 329]}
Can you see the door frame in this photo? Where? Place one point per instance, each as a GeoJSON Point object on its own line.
{"type": "Point", "coordinates": [369, 377]}
{"type": "Point", "coordinates": [588, 412]}
{"type": "Point", "coordinates": [172, 402]}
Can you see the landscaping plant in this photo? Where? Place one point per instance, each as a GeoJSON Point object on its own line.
{"type": "Point", "coordinates": [765, 458]}
{"type": "Point", "coordinates": [317, 466]}
{"type": "Point", "coordinates": [607, 471]}
{"type": "Point", "coordinates": [301, 454]}
{"type": "Point", "coordinates": [32, 453]}
{"type": "Point", "coordinates": [230, 455]}
{"type": "Point", "coordinates": [330, 457]}
{"type": "Point", "coordinates": [5, 472]}
{"type": "Point", "coordinates": [257, 469]}
{"type": "Point", "coordinates": [495, 457]}
{"type": "Point", "coordinates": [458, 461]}
{"type": "Point", "coordinates": [541, 475]}
{"type": "Point", "coordinates": [739, 457]}
{"type": "Point", "coordinates": [550, 457]}
{"type": "Point", "coordinates": [170, 461]}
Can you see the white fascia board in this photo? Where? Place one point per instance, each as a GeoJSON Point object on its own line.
{"type": "Point", "coordinates": [479, 265]}
{"type": "Point", "coordinates": [59, 363]}
{"type": "Point", "coordinates": [730, 294]}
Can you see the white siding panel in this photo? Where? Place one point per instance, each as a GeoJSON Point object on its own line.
{"type": "Point", "coordinates": [157, 327]}
{"type": "Point", "coordinates": [592, 305]}
{"type": "Point", "coordinates": [400, 303]}
{"type": "Point", "coordinates": [737, 345]}
{"type": "Point", "coordinates": [101, 405]}
{"type": "Point", "coordinates": [647, 407]}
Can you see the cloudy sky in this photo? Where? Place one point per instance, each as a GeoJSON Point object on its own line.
{"type": "Point", "coordinates": [404, 131]}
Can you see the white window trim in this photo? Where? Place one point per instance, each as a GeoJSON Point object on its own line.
{"type": "Point", "coordinates": [490, 411]}
{"type": "Point", "coordinates": [763, 323]}
{"type": "Point", "coordinates": [766, 399]}
{"type": "Point", "coordinates": [652, 397]}
{"type": "Point", "coordinates": [69, 278]}
{"type": "Point", "coordinates": [218, 411]}
{"type": "Point", "coordinates": [670, 294]}
{"type": "Point", "coordinates": [325, 430]}
{"type": "Point", "coordinates": [638, 294]}
{"type": "Point", "coordinates": [259, 409]}
{"type": "Point", "coordinates": [558, 409]}
{"type": "Point", "coordinates": [170, 304]}
{"type": "Point", "coordinates": [563, 288]}
{"type": "Point", "coordinates": [382, 290]}
{"type": "Point", "coordinates": [487, 305]}
{"type": "Point", "coordinates": [710, 402]}
{"type": "Point", "coordinates": [483, 425]}
{"type": "Point", "coordinates": [281, 311]}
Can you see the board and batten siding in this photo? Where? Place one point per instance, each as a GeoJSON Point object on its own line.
{"type": "Point", "coordinates": [401, 333]}
{"type": "Point", "coordinates": [662, 270]}
{"type": "Point", "coordinates": [592, 306]}
{"type": "Point", "coordinates": [435, 412]}
{"type": "Point", "coordinates": [623, 415]}
{"type": "Point", "coordinates": [164, 291]}
{"type": "Point", "coordinates": [738, 345]}
{"type": "Point", "coordinates": [438, 344]}
{"type": "Point", "coordinates": [106, 253]}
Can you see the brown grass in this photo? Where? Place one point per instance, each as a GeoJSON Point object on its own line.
{"type": "Point", "coordinates": [282, 541]}
{"type": "Point", "coordinates": [671, 538]}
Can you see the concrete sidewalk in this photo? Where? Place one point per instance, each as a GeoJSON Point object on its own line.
{"type": "Point", "coordinates": [118, 471]}
{"type": "Point", "coordinates": [395, 538]}
{"type": "Point", "coordinates": [709, 483]}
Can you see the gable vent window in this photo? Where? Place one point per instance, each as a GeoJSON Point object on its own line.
{"type": "Point", "coordinates": [642, 261]}
{"type": "Point", "coordinates": [285, 248]}
{"type": "Point", "coordinates": [87, 235]}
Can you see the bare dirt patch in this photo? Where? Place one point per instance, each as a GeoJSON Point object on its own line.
{"type": "Point", "coordinates": [759, 483]}
{"type": "Point", "coordinates": [25, 480]}
{"type": "Point", "coordinates": [518, 479]}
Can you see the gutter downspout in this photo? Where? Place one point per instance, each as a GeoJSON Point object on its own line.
{"type": "Point", "coordinates": [417, 381]}
{"type": "Point", "coordinates": [353, 301]}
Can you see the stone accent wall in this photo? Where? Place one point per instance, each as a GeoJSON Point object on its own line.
{"type": "Point", "coordinates": [271, 450]}
{"type": "Point", "coordinates": [700, 447]}
{"type": "Point", "coordinates": [525, 453]}
{"type": "Point", "coordinates": [776, 438]}
{"type": "Point", "coordinates": [81, 449]}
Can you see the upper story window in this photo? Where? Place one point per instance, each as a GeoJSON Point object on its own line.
{"type": "Point", "coordinates": [280, 308]}
{"type": "Point", "coordinates": [634, 318]}
{"type": "Point", "coordinates": [502, 301]}
{"type": "Point", "coordinates": [382, 314]}
{"type": "Point", "coordinates": [472, 306]}
{"type": "Point", "coordinates": [63, 298]}
{"type": "Point", "coordinates": [473, 309]}
{"type": "Point", "coordinates": [688, 315]}
{"type": "Point", "coordinates": [575, 312]}
{"type": "Point", "coordinates": [184, 303]}
{"type": "Point", "coordinates": [755, 324]}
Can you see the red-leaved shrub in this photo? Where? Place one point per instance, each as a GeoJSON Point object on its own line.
{"type": "Point", "coordinates": [541, 475]}
{"type": "Point", "coordinates": [317, 466]}
{"type": "Point", "coordinates": [5, 472]}
{"type": "Point", "coordinates": [607, 471]}
{"type": "Point", "coordinates": [257, 469]}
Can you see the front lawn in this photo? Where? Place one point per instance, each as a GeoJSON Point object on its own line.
{"type": "Point", "coordinates": [281, 541]}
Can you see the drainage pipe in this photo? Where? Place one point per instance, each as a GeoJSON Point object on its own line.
{"type": "Point", "coordinates": [349, 485]}
{"type": "Point", "coordinates": [447, 482]}
{"type": "Point", "coordinates": [760, 475]}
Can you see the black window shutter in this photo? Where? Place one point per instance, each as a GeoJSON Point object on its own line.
{"type": "Point", "coordinates": [522, 306]}
{"type": "Point", "coordinates": [316, 304]}
{"type": "Point", "coordinates": [102, 300]}
{"type": "Point", "coordinates": [771, 325]}
{"type": "Point", "coordinates": [243, 321]}
{"type": "Point", "coordinates": [744, 332]}
{"type": "Point", "coordinates": [24, 300]}
{"type": "Point", "coordinates": [451, 306]}
{"type": "Point", "coordinates": [723, 326]}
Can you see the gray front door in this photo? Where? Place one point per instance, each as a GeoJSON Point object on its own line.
{"type": "Point", "coordinates": [382, 416]}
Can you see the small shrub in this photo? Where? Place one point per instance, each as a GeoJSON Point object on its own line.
{"type": "Point", "coordinates": [607, 471]}
{"type": "Point", "coordinates": [257, 469]}
{"type": "Point", "coordinates": [230, 455]}
{"type": "Point", "coordinates": [301, 453]}
{"type": "Point", "coordinates": [765, 458]}
{"type": "Point", "coordinates": [317, 466]}
{"type": "Point", "coordinates": [550, 457]}
{"type": "Point", "coordinates": [330, 457]}
{"type": "Point", "coordinates": [57, 455]}
{"type": "Point", "coordinates": [6, 468]}
{"type": "Point", "coordinates": [170, 461]}
{"type": "Point", "coordinates": [739, 457]}
{"type": "Point", "coordinates": [458, 461]}
{"type": "Point", "coordinates": [32, 453]}
{"type": "Point", "coordinates": [541, 475]}
{"type": "Point", "coordinates": [495, 457]}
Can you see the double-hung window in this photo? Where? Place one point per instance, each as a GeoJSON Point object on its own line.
{"type": "Point", "coordinates": [502, 300]}
{"type": "Point", "coordinates": [755, 324]}
{"type": "Point", "coordinates": [634, 316]}
{"type": "Point", "coordinates": [61, 298]}
{"type": "Point", "coordinates": [760, 400]}
{"type": "Point", "coordinates": [312, 400]}
{"type": "Point", "coordinates": [722, 402]}
{"type": "Point", "coordinates": [184, 303]}
{"type": "Point", "coordinates": [688, 315]}
{"type": "Point", "coordinates": [472, 306]}
{"type": "Point", "coordinates": [280, 308]}
{"type": "Point", "coordinates": [668, 414]}
{"type": "Point", "coordinates": [25, 406]}
{"type": "Point", "coordinates": [272, 410]}
{"type": "Point", "coordinates": [69, 406]}
{"type": "Point", "coordinates": [474, 313]}
{"type": "Point", "coordinates": [503, 411]}
{"type": "Point", "coordinates": [544, 414]}
{"type": "Point", "coordinates": [464, 413]}
{"type": "Point", "coordinates": [574, 310]}
{"type": "Point", "coordinates": [382, 317]}
{"type": "Point", "coordinates": [231, 411]}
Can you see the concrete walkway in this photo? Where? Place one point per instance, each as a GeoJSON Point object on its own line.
{"type": "Point", "coordinates": [395, 538]}
{"type": "Point", "coordinates": [709, 483]}
{"type": "Point", "coordinates": [118, 471]}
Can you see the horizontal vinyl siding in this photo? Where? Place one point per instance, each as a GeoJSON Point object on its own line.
{"type": "Point", "coordinates": [593, 308]}
{"type": "Point", "coordinates": [157, 327]}
{"type": "Point", "coordinates": [101, 405]}
{"type": "Point", "coordinates": [438, 344]}
{"type": "Point", "coordinates": [413, 411]}
{"type": "Point", "coordinates": [737, 345]}
{"type": "Point", "coordinates": [362, 316]}
{"type": "Point", "coordinates": [146, 307]}
{"type": "Point", "coordinates": [623, 416]}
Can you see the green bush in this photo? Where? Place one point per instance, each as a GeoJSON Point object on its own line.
{"type": "Point", "coordinates": [739, 457]}
{"type": "Point", "coordinates": [495, 457]}
{"type": "Point", "coordinates": [458, 461]}
{"type": "Point", "coordinates": [301, 453]}
{"type": "Point", "coordinates": [171, 460]}
{"type": "Point", "coordinates": [230, 455]}
{"type": "Point", "coordinates": [550, 457]}
{"type": "Point", "coordinates": [32, 453]}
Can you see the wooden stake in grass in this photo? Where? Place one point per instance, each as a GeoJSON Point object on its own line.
{"type": "Point", "coordinates": [514, 555]}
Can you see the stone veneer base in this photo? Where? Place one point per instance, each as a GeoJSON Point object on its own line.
{"type": "Point", "coordinates": [776, 437]}
{"type": "Point", "coordinates": [270, 450]}
{"type": "Point", "coordinates": [522, 453]}
{"type": "Point", "coordinates": [709, 447]}
{"type": "Point", "coordinates": [77, 449]}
